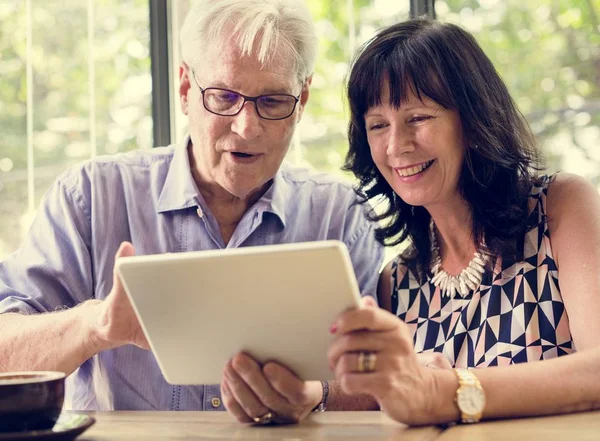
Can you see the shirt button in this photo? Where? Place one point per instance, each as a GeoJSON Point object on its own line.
{"type": "Point", "coordinates": [199, 212]}
{"type": "Point", "coordinates": [215, 402]}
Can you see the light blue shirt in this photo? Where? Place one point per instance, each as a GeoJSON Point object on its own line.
{"type": "Point", "coordinates": [148, 197]}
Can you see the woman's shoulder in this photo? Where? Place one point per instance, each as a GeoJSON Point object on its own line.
{"type": "Point", "coordinates": [567, 192]}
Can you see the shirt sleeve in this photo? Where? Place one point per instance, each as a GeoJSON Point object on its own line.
{"type": "Point", "coordinates": [52, 269]}
{"type": "Point", "coordinates": [366, 253]}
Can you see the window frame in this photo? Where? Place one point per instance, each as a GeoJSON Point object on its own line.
{"type": "Point", "coordinates": [163, 109]}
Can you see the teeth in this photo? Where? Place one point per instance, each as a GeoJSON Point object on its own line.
{"type": "Point", "coordinates": [405, 172]}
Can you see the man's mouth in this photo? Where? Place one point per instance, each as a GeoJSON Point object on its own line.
{"type": "Point", "coordinates": [242, 155]}
{"type": "Point", "coordinates": [415, 170]}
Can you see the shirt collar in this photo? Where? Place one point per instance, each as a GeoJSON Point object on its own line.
{"type": "Point", "coordinates": [180, 191]}
{"type": "Point", "coordinates": [273, 201]}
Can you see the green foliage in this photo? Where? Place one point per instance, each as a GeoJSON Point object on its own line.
{"type": "Point", "coordinates": [547, 51]}
{"type": "Point", "coordinates": [61, 80]}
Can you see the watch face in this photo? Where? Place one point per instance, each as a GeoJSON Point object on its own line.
{"type": "Point", "coordinates": [470, 400]}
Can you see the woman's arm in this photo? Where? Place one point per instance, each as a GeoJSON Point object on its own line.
{"type": "Point", "coordinates": [562, 385]}
{"type": "Point", "coordinates": [573, 209]}
{"type": "Point", "coordinates": [414, 394]}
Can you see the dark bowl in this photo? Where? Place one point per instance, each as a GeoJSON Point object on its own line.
{"type": "Point", "coordinates": [30, 400]}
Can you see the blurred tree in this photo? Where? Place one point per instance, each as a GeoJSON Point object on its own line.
{"type": "Point", "coordinates": [61, 98]}
{"type": "Point", "coordinates": [547, 51]}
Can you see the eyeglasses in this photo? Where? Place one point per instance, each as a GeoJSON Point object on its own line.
{"type": "Point", "coordinates": [225, 102]}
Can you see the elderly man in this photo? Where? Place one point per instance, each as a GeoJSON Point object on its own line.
{"type": "Point", "coordinates": [244, 84]}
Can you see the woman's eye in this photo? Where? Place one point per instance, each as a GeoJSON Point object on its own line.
{"type": "Point", "coordinates": [376, 126]}
{"type": "Point", "coordinates": [419, 118]}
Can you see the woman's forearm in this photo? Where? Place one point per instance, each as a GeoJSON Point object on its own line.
{"type": "Point", "coordinates": [566, 384]}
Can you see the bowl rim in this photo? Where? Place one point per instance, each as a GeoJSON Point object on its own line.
{"type": "Point", "coordinates": [34, 377]}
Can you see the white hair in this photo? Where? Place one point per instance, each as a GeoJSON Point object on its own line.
{"type": "Point", "coordinates": [260, 27]}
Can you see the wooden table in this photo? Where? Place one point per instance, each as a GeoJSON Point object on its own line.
{"type": "Point", "coordinates": [578, 426]}
{"type": "Point", "coordinates": [338, 426]}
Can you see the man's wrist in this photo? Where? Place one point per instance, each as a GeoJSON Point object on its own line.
{"type": "Point", "coordinates": [91, 315]}
{"type": "Point", "coordinates": [322, 406]}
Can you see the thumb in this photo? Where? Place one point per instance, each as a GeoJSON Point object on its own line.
{"type": "Point", "coordinates": [368, 302]}
{"type": "Point", "coordinates": [125, 250]}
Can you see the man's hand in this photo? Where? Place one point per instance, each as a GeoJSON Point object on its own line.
{"type": "Point", "coordinates": [117, 324]}
{"type": "Point", "coordinates": [250, 391]}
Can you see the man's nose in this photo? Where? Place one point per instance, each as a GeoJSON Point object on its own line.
{"type": "Point", "coordinates": [247, 123]}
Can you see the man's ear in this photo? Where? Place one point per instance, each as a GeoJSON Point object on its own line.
{"type": "Point", "coordinates": [184, 86]}
{"type": "Point", "coordinates": [304, 95]}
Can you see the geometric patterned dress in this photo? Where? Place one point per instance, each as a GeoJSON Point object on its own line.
{"type": "Point", "coordinates": [516, 314]}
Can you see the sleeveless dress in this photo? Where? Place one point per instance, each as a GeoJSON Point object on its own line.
{"type": "Point", "coordinates": [516, 314]}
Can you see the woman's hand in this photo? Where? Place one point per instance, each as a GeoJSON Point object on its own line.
{"type": "Point", "coordinates": [404, 388]}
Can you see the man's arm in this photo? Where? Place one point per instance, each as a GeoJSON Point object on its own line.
{"type": "Point", "coordinates": [58, 341]}
{"type": "Point", "coordinates": [62, 341]}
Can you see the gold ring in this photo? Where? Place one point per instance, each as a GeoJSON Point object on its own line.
{"type": "Point", "coordinates": [264, 419]}
{"type": "Point", "coordinates": [366, 361]}
{"type": "Point", "coordinates": [370, 361]}
{"type": "Point", "coordinates": [361, 362]}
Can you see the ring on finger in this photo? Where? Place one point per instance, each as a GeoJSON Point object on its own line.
{"type": "Point", "coordinates": [366, 361]}
{"type": "Point", "coordinates": [264, 419]}
{"type": "Point", "coordinates": [370, 361]}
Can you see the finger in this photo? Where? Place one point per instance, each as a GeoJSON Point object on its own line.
{"type": "Point", "coordinates": [365, 318]}
{"type": "Point", "coordinates": [350, 363]}
{"type": "Point", "coordinates": [247, 400]}
{"type": "Point", "coordinates": [368, 302]}
{"type": "Point", "coordinates": [251, 373]}
{"type": "Point", "coordinates": [363, 341]}
{"type": "Point", "coordinates": [125, 250]}
{"type": "Point", "coordinates": [232, 405]}
{"type": "Point", "coordinates": [286, 384]}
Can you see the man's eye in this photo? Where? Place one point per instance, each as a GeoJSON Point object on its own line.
{"type": "Point", "coordinates": [227, 96]}
{"type": "Point", "coordinates": [272, 101]}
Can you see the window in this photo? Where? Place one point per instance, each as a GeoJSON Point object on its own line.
{"type": "Point", "coordinates": [548, 53]}
{"type": "Point", "coordinates": [74, 83]}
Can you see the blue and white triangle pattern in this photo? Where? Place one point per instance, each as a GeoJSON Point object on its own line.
{"type": "Point", "coordinates": [515, 315]}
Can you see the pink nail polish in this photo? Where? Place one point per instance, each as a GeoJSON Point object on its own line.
{"type": "Point", "coordinates": [333, 328]}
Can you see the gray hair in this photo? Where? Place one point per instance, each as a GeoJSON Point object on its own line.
{"type": "Point", "coordinates": [271, 25]}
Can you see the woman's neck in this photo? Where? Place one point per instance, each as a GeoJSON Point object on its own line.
{"type": "Point", "coordinates": [454, 233]}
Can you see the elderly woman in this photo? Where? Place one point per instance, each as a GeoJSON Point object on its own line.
{"type": "Point", "coordinates": [502, 263]}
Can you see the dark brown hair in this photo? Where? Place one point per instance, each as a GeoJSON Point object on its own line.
{"type": "Point", "coordinates": [444, 63]}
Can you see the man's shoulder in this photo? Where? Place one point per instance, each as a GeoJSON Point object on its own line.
{"type": "Point", "coordinates": [299, 178]}
{"type": "Point", "coordinates": [141, 163]}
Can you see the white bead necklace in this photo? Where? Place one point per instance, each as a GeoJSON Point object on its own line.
{"type": "Point", "coordinates": [468, 279]}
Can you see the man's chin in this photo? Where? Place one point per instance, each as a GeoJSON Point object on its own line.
{"type": "Point", "coordinates": [250, 190]}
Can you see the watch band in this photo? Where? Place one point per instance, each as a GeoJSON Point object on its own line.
{"type": "Point", "coordinates": [322, 406]}
{"type": "Point", "coordinates": [467, 379]}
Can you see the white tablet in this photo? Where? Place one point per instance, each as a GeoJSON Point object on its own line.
{"type": "Point", "coordinates": [275, 302]}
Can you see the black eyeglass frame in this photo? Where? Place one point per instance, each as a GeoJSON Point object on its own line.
{"type": "Point", "coordinates": [252, 99]}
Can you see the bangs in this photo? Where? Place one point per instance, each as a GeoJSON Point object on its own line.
{"type": "Point", "coordinates": [407, 67]}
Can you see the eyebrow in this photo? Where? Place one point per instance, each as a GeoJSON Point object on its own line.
{"type": "Point", "coordinates": [267, 91]}
{"type": "Point", "coordinates": [404, 109]}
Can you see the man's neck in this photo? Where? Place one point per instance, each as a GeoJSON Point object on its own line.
{"type": "Point", "coordinates": [227, 208]}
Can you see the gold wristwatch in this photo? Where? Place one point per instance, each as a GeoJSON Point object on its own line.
{"type": "Point", "coordinates": [470, 397]}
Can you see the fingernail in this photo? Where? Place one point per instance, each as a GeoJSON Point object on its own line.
{"type": "Point", "coordinates": [333, 328]}
{"type": "Point", "coordinates": [268, 374]}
